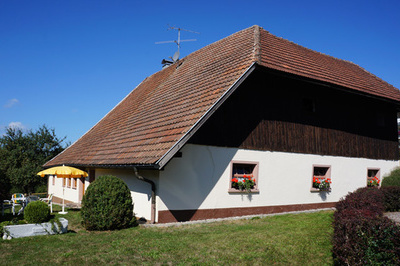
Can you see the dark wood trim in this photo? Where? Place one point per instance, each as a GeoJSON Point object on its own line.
{"type": "Point", "coordinates": [171, 216]}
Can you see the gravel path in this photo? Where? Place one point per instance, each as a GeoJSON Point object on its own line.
{"type": "Point", "coordinates": [231, 218]}
{"type": "Point", "coordinates": [395, 216]}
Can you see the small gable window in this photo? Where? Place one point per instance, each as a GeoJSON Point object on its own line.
{"type": "Point", "coordinates": [373, 177]}
{"type": "Point", "coordinates": [243, 177]}
{"type": "Point", "coordinates": [321, 179]}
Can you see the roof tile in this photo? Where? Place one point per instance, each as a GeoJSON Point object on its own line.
{"type": "Point", "coordinates": [144, 126]}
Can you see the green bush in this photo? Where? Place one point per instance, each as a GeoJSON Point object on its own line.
{"type": "Point", "coordinates": [2, 224]}
{"type": "Point", "coordinates": [392, 180]}
{"type": "Point", "coordinates": [107, 205]}
{"type": "Point", "coordinates": [37, 212]}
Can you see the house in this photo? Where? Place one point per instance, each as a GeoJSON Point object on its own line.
{"type": "Point", "coordinates": [253, 107]}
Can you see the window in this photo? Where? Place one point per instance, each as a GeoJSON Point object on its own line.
{"type": "Point", "coordinates": [92, 175]}
{"type": "Point", "coordinates": [373, 177]}
{"type": "Point", "coordinates": [68, 182]}
{"type": "Point", "coordinates": [54, 180]}
{"type": "Point", "coordinates": [243, 177]}
{"type": "Point", "coordinates": [74, 180]}
{"type": "Point", "coordinates": [64, 181]}
{"type": "Point", "coordinates": [321, 180]}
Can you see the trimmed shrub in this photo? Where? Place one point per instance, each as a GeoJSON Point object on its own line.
{"type": "Point", "coordinates": [107, 205]}
{"type": "Point", "coordinates": [362, 235]}
{"type": "Point", "coordinates": [392, 198]}
{"type": "Point", "coordinates": [360, 240]}
{"type": "Point", "coordinates": [393, 179]}
{"type": "Point", "coordinates": [37, 212]}
{"type": "Point", "coordinates": [366, 198]}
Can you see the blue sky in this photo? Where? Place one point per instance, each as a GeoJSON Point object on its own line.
{"type": "Point", "coordinates": [66, 64]}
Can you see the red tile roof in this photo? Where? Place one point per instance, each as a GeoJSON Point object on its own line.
{"type": "Point", "coordinates": [156, 117]}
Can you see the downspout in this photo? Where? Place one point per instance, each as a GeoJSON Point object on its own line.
{"type": "Point", "coordinates": [153, 194]}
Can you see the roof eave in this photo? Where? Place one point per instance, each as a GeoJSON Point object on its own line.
{"type": "Point", "coordinates": [112, 166]}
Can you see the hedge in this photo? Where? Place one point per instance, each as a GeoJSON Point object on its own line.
{"type": "Point", "coordinates": [391, 198]}
{"type": "Point", "coordinates": [393, 179]}
{"type": "Point", "coordinates": [362, 235]}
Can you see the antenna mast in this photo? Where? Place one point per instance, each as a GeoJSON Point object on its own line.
{"type": "Point", "coordinates": [178, 42]}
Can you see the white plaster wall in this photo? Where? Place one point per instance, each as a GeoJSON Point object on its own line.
{"type": "Point", "coordinates": [200, 179]}
{"type": "Point", "coordinates": [70, 193]}
{"type": "Point", "coordinates": [140, 190]}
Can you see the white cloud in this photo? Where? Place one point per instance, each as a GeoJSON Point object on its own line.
{"type": "Point", "coordinates": [11, 103]}
{"type": "Point", "coordinates": [16, 125]}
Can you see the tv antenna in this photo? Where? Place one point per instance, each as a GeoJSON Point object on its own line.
{"type": "Point", "coordinates": [178, 42]}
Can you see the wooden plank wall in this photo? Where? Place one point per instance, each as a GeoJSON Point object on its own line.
{"type": "Point", "coordinates": [300, 138]}
{"type": "Point", "coordinates": [267, 113]}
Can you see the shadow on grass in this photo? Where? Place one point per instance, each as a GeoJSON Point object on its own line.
{"type": "Point", "coordinates": [74, 209]}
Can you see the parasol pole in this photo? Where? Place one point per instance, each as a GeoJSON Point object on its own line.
{"type": "Point", "coordinates": [63, 211]}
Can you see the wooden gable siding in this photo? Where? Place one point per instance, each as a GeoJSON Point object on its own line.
{"type": "Point", "coordinates": [275, 113]}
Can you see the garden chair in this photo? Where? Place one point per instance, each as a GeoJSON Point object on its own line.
{"type": "Point", "coordinates": [6, 204]}
{"type": "Point", "coordinates": [49, 201]}
{"type": "Point", "coordinates": [18, 199]}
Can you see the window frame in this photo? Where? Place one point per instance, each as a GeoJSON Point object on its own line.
{"type": "Point", "coordinates": [254, 174]}
{"type": "Point", "coordinates": [324, 177]}
{"type": "Point", "coordinates": [378, 174]}
{"type": "Point", "coordinates": [69, 183]}
{"type": "Point", "coordinates": [74, 183]}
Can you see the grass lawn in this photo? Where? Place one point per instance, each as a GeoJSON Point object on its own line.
{"type": "Point", "coordinates": [300, 239]}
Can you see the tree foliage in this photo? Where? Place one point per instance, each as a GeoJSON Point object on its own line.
{"type": "Point", "coordinates": [22, 155]}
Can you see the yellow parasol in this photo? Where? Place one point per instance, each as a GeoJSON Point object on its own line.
{"type": "Point", "coordinates": [63, 172]}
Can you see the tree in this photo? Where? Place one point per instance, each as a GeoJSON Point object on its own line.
{"type": "Point", "coordinates": [22, 156]}
{"type": "Point", "coordinates": [4, 186]}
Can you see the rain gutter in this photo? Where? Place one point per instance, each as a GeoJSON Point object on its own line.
{"type": "Point", "coordinates": [153, 194]}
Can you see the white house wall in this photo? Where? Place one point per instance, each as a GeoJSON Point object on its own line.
{"type": "Point", "coordinates": [70, 194]}
{"type": "Point", "coordinates": [140, 190]}
{"type": "Point", "coordinates": [200, 179]}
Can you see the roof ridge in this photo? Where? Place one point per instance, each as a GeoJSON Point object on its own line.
{"type": "Point", "coordinates": [257, 44]}
{"type": "Point", "coordinates": [220, 40]}
{"type": "Point", "coordinates": [328, 55]}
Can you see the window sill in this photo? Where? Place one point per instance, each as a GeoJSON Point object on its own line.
{"type": "Point", "coordinates": [313, 190]}
{"type": "Point", "coordinates": [232, 190]}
